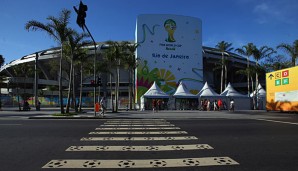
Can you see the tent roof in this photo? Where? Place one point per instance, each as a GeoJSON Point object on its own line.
{"type": "Point", "coordinates": [231, 92]}
{"type": "Point", "coordinates": [183, 92]}
{"type": "Point", "coordinates": [207, 91]}
{"type": "Point", "coordinates": [155, 92]}
{"type": "Point", "coordinates": [261, 91]}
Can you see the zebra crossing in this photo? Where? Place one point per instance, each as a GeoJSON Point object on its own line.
{"type": "Point", "coordinates": [139, 130]}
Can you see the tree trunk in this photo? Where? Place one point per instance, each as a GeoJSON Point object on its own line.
{"type": "Point", "coordinates": [60, 82]}
{"type": "Point", "coordinates": [69, 87]}
{"type": "Point", "coordinates": [74, 88]}
{"type": "Point", "coordinates": [133, 89]}
{"type": "Point", "coordinates": [81, 89]}
{"type": "Point", "coordinates": [222, 74]}
{"type": "Point", "coordinates": [248, 75]}
{"type": "Point", "coordinates": [256, 87]}
{"type": "Point", "coordinates": [129, 90]}
{"type": "Point", "coordinates": [226, 75]}
{"type": "Point", "coordinates": [111, 93]}
{"type": "Point", "coordinates": [117, 89]}
{"type": "Point", "coordinates": [253, 91]}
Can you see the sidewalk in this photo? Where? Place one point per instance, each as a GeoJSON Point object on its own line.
{"type": "Point", "coordinates": [47, 113]}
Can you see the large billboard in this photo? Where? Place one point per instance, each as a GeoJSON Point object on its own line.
{"type": "Point", "coordinates": [282, 90]}
{"type": "Point", "coordinates": [169, 51]}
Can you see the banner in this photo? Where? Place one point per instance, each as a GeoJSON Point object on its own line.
{"type": "Point", "coordinates": [282, 90]}
{"type": "Point", "coordinates": [169, 51]}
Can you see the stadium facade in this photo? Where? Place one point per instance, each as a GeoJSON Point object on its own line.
{"type": "Point", "coordinates": [18, 83]}
{"type": "Point", "coordinates": [170, 50]}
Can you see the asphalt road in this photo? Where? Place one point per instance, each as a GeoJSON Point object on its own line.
{"type": "Point", "coordinates": [249, 144]}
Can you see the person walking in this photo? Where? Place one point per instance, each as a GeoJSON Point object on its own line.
{"type": "Point", "coordinates": [219, 103]}
{"type": "Point", "coordinates": [215, 105]}
{"type": "Point", "coordinates": [103, 106]}
{"type": "Point", "coordinates": [232, 105]}
{"type": "Point", "coordinates": [154, 106]}
{"type": "Point", "coordinates": [159, 104]}
{"type": "Point", "coordinates": [208, 105]}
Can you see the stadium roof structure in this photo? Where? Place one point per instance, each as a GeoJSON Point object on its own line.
{"type": "Point", "coordinates": [55, 53]}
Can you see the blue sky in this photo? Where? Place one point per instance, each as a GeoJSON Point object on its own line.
{"type": "Point", "coordinates": [263, 22]}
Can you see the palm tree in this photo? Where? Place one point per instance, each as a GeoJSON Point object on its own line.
{"type": "Point", "coordinates": [74, 43]}
{"type": "Point", "coordinates": [223, 47]}
{"type": "Point", "coordinates": [115, 54]}
{"type": "Point", "coordinates": [247, 50]}
{"type": "Point", "coordinates": [57, 28]}
{"type": "Point", "coordinates": [85, 68]}
{"type": "Point", "coordinates": [273, 63]}
{"type": "Point", "coordinates": [131, 64]}
{"type": "Point", "coordinates": [2, 60]}
{"type": "Point", "coordinates": [259, 54]}
{"type": "Point", "coordinates": [292, 50]}
{"type": "Point", "coordinates": [24, 71]}
{"type": "Point", "coordinates": [110, 58]}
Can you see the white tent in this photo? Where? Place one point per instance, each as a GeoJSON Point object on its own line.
{"type": "Point", "coordinates": [183, 92]}
{"type": "Point", "coordinates": [260, 90]}
{"type": "Point", "coordinates": [241, 102]}
{"type": "Point", "coordinates": [207, 91]}
{"type": "Point", "coordinates": [231, 92]}
{"type": "Point", "coordinates": [154, 92]}
{"type": "Point", "coordinates": [261, 94]}
{"type": "Point", "coordinates": [184, 100]}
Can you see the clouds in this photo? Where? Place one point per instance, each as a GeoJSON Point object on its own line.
{"type": "Point", "coordinates": [275, 12]}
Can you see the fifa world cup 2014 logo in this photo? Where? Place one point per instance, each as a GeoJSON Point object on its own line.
{"type": "Point", "coordinates": [170, 26]}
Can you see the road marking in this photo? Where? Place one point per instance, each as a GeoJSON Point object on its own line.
{"type": "Point", "coordinates": [139, 128]}
{"type": "Point", "coordinates": [149, 163]}
{"type": "Point", "coordinates": [141, 148]}
{"type": "Point", "coordinates": [268, 120]}
{"type": "Point", "coordinates": [138, 138]}
{"type": "Point", "coordinates": [133, 125]}
{"type": "Point", "coordinates": [137, 120]}
{"type": "Point", "coordinates": [10, 124]}
{"type": "Point", "coordinates": [141, 132]}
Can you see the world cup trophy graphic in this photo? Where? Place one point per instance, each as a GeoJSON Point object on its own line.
{"type": "Point", "coordinates": [170, 26]}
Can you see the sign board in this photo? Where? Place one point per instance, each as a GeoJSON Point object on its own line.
{"type": "Point", "coordinates": [169, 51]}
{"type": "Point", "coordinates": [282, 90]}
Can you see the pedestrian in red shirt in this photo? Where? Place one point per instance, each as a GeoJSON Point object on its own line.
{"type": "Point", "coordinates": [219, 103]}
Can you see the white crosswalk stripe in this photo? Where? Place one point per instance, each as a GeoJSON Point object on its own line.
{"type": "Point", "coordinates": [137, 138]}
{"type": "Point", "coordinates": [140, 132]}
{"type": "Point", "coordinates": [134, 125]}
{"type": "Point", "coordinates": [141, 148]}
{"type": "Point", "coordinates": [138, 121]}
{"type": "Point", "coordinates": [139, 128]}
{"type": "Point", "coordinates": [149, 163]}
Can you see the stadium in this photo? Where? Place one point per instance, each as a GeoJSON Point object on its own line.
{"type": "Point", "coordinates": [169, 50]}
{"type": "Point", "coordinates": [18, 83]}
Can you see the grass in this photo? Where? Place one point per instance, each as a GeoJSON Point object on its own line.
{"type": "Point", "coordinates": [64, 114]}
